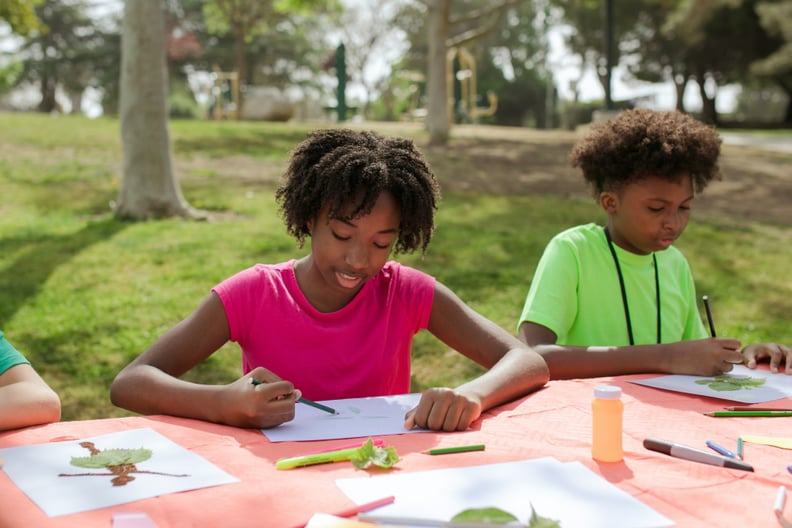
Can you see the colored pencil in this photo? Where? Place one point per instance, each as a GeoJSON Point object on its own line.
{"type": "Point", "coordinates": [319, 406]}
{"type": "Point", "coordinates": [306, 401]}
{"type": "Point", "coordinates": [709, 315]}
{"type": "Point", "coordinates": [457, 449]}
{"type": "Point", "coordinates": [737, 414]}
{"type": "Point", "coordinates": [750, 408]}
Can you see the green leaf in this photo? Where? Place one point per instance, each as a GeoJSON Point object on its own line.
{"type": "Point", "coordinates": [723, 386]}
{"type": "Point", "coordinates": [484, 515]}
{"type": "Point", "coordinates": [537, 521]}
{"type": "Point", "coordinates": [368, 454]}
{"type": "Point", "coordinates": [496, 516]}
{"type": "Point", "coordinates": [112, 457]}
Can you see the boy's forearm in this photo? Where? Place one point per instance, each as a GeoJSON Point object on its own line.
{"type": "Point", "coordinates": [569, 362]}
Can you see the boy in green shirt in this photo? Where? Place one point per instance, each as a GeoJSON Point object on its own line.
{"type": "Point", "coordinates": [620, 299]}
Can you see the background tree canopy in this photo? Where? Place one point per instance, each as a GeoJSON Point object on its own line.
{"type": "Point", "coordinates": [66, 47]}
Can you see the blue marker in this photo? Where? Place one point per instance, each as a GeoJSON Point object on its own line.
{"type": "Point", "coordinates": [720, 449]}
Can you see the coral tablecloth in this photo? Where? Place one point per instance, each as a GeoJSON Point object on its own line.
{"type": "Point", "coordinates": [556, 421]}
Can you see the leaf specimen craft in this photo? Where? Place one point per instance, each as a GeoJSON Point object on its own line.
{"type": "Point", "coordinates": [732, 383]}
{"type": "Point", "coordinates": [120, 463]}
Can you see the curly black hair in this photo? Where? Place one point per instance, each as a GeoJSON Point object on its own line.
{"type": "Point", "coordinates": [333, 167]}
{"type": "Point", "coordinates": [639, 143]}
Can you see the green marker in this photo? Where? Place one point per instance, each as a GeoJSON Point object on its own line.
{"type": "Point", "coordinates": [457, 449]}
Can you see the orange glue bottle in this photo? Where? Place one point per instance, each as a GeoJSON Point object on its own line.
{"type": "Point", "coordinates": [607, 410]}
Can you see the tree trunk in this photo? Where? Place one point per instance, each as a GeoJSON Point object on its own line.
{"type": "Point", "coordinates": [48, 103]}
{"type": "Point", "coordinates": [680, 84]}
{"type": "Point", "coordinates": [708, 113]}
{"type": "Point", "coordinates": [148, 186]}
{"type": "Point", "coordinates": [437, 122]}
{"type": "Point", "coordinates": [240, 48]}
{"type": "Point", "coordinates": [787, 88]}
{"type": "Point", "coordinates": [76, 99]}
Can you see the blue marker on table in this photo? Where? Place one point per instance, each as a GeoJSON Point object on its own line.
{"type": "Point", "coordinates": [720, 449]}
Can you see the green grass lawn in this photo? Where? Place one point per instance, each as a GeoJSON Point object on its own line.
{"type": "Point", "coordinates": [83, 293]}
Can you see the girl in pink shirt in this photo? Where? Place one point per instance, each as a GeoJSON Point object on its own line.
{"type": "Point", "coordinates": [339, 322]}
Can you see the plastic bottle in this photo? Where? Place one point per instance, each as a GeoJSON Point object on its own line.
{"type": "Point", "coordinates": [607, 410]}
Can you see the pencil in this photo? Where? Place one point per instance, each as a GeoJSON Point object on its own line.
{"type": "Point", "coordinates": [740, 447]}
{"type": "Point", "coordinates": [750, 408]}
{"type": "Point", "coordinates": [319, 406]}
{"type": "Point", "coordinates": [457, 449]}
{"type": "Point", "coordinates": [709, 315]}
{"type": "Point", "coordinates": [735, 414]}
{"type": "Point", "coordinates": [306, 401]}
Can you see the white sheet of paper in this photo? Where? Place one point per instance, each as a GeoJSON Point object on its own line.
{"type": "Point", "coordinates": [35, 469]}
{"type": "Point", "coordinates": [776, 385]}
{"type": "Point", "coordinates": [357, 417]}
{"type": "Point", "coordinates": [568, 492]}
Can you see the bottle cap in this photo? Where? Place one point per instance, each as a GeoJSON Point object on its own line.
{"type": "Point", "coordinates": [607, 392]}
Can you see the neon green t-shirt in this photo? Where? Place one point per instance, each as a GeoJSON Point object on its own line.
{"type": "Point", "coordinates": [576, 294]}
{"type": "Point", "coordinates": [9, 356]}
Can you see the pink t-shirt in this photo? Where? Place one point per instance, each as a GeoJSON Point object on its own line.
{"type": "Point", "coordinates": [360, 350]}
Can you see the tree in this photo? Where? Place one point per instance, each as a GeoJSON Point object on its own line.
{"type": "Point", "coordinates": [448, 28]}
{"type": "Point", "coordinates": [512, 63]}
{"type": "Point", "coordinates": [20, 15]}
{"type": "Point", "coordinates": [776, 18]}
{"type": "Point", "coordinates": [659, 54]}
{"type": "Point", "coordinates": [712, 54]}
{"type": "Point", "coordinates": [587, 19]}
{"type": "Point", "coordinates": [242, 19]}
{"type": "Point", "coordinates": [245, 19]}
{"type": "Point", "coordinates": [70, 53]}
{"type": "Point", "coordinates": [148, 187]}
{"type": "Point", "coordinates": [437, 118]}
{"type": "Point", "coordinates": [368, 34]}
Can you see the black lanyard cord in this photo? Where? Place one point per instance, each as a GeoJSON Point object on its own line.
{"type": "Point", "coordinates": [624, 290]}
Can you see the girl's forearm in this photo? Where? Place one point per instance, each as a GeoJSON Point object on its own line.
{"type": "Point", "coordinates": [517, 373]}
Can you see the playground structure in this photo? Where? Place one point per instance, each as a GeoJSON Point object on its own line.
{"type": "Point", "coordinates": [224, 95]}
{"type": "Point", "coordinates": [461, 88]}
{"type": "Point", "coordinates": [461, 91]}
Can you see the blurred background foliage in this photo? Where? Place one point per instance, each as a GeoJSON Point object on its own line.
{"type": "Point", "coordinates": [63, 55]}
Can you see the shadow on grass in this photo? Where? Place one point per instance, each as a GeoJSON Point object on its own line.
{"type": "Point", "coordinates": [41, 255]}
